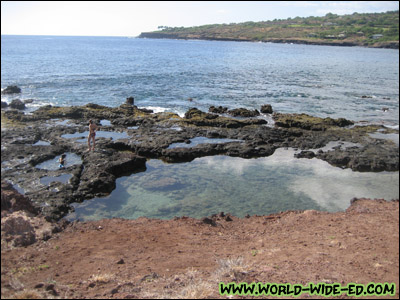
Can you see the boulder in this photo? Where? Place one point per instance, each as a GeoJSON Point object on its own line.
{"type": "Point", "coordinates": [11, 89]}
{"type": "Point", "coordinates": [308, 122]}
{"type": "Point", "coordinates": [95, 106]}
{"type": "Point", "coordinates": [21, 225]}
{"type": "Point", "coordinates": [208, 221]}
{"type": "Point", "coordinates": [218, 110]}
{"type": "Point", "coordinates": [130, 100]}
{"type": "Point", "coordinates": [146, 110]}
{"type": "Point", "coordinates": [17, 104]}
{"type": "Point", "coordinates": [243, 112]}
{"type": "Point", "coordinates": [4, 104]}
{"type": "Point", "coordinates": [17, 229]}
{"type": "Point", "coordinates": [196, 113]}
{"type": "Point", "coordinates": [266, 109]}
{"type": "Point", "coordinates": [12, 201]}
{"type": "Point", "coordinates": [305, 154]}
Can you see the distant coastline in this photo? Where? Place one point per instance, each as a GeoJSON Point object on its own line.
{"type": "Point", "coordinates": [373, 30]}
{"type": "Point", "coordinates": [159, 35]}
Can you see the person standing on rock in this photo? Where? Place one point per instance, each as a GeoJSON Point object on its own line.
{"type": "Point", "coordinates": [92, 134]}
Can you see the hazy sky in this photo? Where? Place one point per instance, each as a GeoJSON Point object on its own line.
{"type": "Point", "coordinates": [130, 18]}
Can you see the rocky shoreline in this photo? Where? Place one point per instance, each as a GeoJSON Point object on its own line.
{"type": "Point", "coordinates": [301, 41]}
{"type": "Point", "coordinates": [44, 256]}
{"type": "Point", "coordinates": [31, 139]}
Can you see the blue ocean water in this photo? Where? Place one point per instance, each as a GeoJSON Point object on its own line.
{"type": "Point", "coordinates": [162, 74]}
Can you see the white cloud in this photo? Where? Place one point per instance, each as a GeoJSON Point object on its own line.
{"type": "Point", "coordinates": [299, 3]}
{"type": "Point", "coordinates": [222, 11]}
{"type": "Point", "coordinates": [133, 17]}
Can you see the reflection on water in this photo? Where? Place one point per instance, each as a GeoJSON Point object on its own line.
{"type": "Point", "coordinates": [388, 136]}
{"type": "Point", "coordinates": [46, 180]}
{"type": "Point", "coordinates": [58, 122]}
{"type": "Point", "coordinates": [201, 140]}
{"type": "Point", "coordinates": [19, 189]}
{"type": "Point", "coordinates": [332, 145]}
{"type": "Point", "coordinates": [239, 186]}
{"type": "Point", "coordinates": [105, 122]}
{"type": "Point", "coordinates": [41, 143]}
{"type": "Point", "coordinates": [53, 164]}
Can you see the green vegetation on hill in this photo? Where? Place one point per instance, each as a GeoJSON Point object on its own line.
{"type": "Point", "coordinates": [371, 29]}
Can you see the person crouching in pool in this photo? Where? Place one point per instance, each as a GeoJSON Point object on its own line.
{"type": "Point", "coordinates": [92, 134]}
{"type": "Point", "coordinates": [62, 161]}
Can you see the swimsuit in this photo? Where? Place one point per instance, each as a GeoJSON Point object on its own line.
{"type": "Point", "coordinates": [61, 165]}
{"type": "Point", "coordinates": [93, 134]}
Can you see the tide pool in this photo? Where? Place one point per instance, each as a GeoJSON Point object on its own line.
{"type": "Point", "coordinates": [53, 164]}
{"type": "Point", "coordinates": [82, 136]}
{"type": "Point", "coordinates": [209, 185]}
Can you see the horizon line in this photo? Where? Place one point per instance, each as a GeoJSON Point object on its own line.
{"type": "Point", "coordinates": [67, 35]}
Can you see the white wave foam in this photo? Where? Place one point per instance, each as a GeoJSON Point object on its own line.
{"type": "Point", "coordinates": [158, 109]}
{"type": "Point", "coordinates": [392, 126]}
{"type": "Point", "coordinates": [155, 109]}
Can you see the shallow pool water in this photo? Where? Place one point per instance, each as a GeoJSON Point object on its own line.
{"type": "Point", "coordinates": [58, 122]}
{"type": "Point", "coordinates": [63, 178]}
{"type": "Point", "coordinates": [201, 140]}
{"type": "Point", "coordinates": [19, 189]}
{"type": "Point", "coordinates": [394, 137]}
{"type": "Point", "coordinates": [42, 143]}
{"type": "Point", "coordinates": [82, 136]}
{"type": "Point", "coordinates": [209, 185]}
{"type": "Point", "coordinates": [53, 164]}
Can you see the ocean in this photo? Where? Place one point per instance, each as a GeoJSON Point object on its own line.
{"type": "Point", "coordinates": [360, 84]}
{"type": "Point", "coordinates": [326, 81]}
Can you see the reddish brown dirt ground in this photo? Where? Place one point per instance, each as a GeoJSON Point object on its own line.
{"type": "Point", "coordinates": [186, 258]}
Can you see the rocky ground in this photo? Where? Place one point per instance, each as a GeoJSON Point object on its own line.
{"type": "Point", "coordinates": [43, 256]}
{"type": "Point", "coordinates": [30, 139]}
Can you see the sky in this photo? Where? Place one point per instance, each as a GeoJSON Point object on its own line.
{"type": "Point", "coordinates": [130, 18]}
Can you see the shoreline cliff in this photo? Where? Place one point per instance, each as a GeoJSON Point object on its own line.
{"type": "Point", "coordinates": [319, 42]}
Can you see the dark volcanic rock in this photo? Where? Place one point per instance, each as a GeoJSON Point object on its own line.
{"type": "Point", "coordinates": [218, 110]}
{"type": "Point", "coordinates": [17, 104]}
{"type": "Point", "coordinates": [243, 112]}
{"type": "Point", "coordinates": [21, 222]}
{"type": "Point", "coordinates": [11, 89]}
{"type": "Point", "coordinates": [98, 170]}
{"type": "Point", "coordinates": [371, 158]}
{"type": "Point", "coordinates": [266, 109]}
{"type": "Point", "coordinates": [196, 117]}
{"type": "Point", "coordinates": [130, 100]}
{"type": "Point", "coordinates": [12, 201]}
{"type": "Point", "coordinates": [307, 122]}
{"type": "Point", "coordinates": [209, 221]}
{"type": "Point", "coordinates": [196, 113]}
{"type": "Point", "coordinates": [305, 154]}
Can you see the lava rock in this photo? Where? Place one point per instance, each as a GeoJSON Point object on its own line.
{"type": "Point", "coordinates": [17, 104]}
{"type": "Point", "coordinates": [243, 112]}
{"type": "Point", "coordinates": [266, 109]}
{"type": "Point", "coordinates": [11, 89]}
